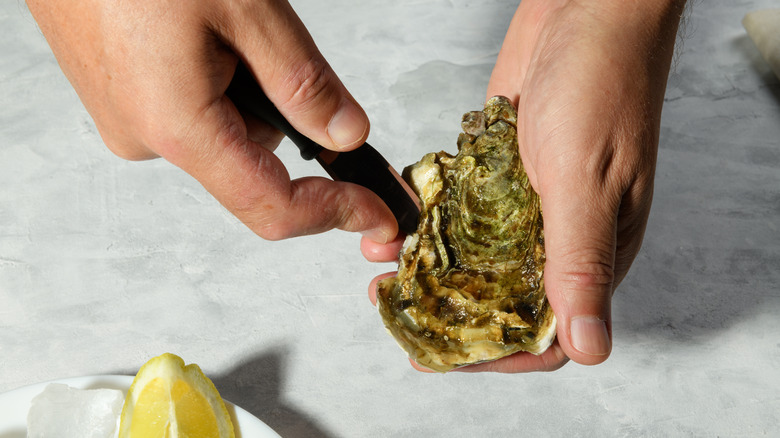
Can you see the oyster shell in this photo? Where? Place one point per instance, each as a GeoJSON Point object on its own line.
{"type": "Point", "coordinates": [469, 287]}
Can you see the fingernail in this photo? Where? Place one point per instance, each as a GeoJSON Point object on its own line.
{"type": "Point", "coordinates": [377, 235]}
{"type": "Point", "coordinates": [348, 125]}
{"type": "Point", "coordinates": [589, 335]}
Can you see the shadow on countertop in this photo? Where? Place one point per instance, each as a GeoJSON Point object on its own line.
{"type": "Point", "coordinates": [710, 258]}
{"type": "Point", "coordinates": [256, 386]}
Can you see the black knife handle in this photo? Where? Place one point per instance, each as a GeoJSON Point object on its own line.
{"type": "Point", "coordinates": [363, 166]}
{"type": "Point", "coordinates": [359, 166]}
{"type": "Point", "coordinates": [247, 95]}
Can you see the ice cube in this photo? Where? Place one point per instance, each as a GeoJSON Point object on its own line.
{"type": "Point", "coordinates": [63, 412]}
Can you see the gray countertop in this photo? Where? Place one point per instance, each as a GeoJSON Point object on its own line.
{"type": "Point", "coordinates": [105, 263]}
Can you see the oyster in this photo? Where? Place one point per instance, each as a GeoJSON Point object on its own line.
{"type": "Point", "coordinates": [469, 287]}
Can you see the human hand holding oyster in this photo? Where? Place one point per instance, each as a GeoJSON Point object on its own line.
{"type": "Point", "coordinates": [470, 285]}
{"type": "Point", "coordinates": [588, 79]}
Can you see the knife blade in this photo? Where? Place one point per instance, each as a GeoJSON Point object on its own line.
{"type": "Point", "coordinates": [364, 166]}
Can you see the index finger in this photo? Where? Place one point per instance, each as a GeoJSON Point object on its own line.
{"type": "Point", "coordinates": [552, 359]}
{"type": "Point", "coordinates": [253, 184]}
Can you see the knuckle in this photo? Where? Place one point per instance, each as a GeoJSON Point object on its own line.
{"type": "Point", "coordinates": [126, 149]}
{"type": "Point", "coordinates": [306, 84]}
{"type": "Point", "coordinates": [151, 139]}
{"type": "Point", "coordinates": [595, 275]}
{"type": "Point", "coordinates": [275, 232]}
{"type": "Point", "coordinates": [592, 277]}
{"type": "Point", "coordinates": [556, 362]}
{"type": "Point", "coordinates": [266, 220]}
{"type": "Point", "coordinates": [266, 207]}
{"type": "Point", "coordinates": [594, 281]}
{"type": "Point", "coordinates": [160, 138]}
{"type": "Point", "coordinates": [357, 209]}
{"type": "Point", "coordinates": [128, 153]}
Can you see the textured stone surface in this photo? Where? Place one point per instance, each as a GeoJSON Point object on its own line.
{"type": "Point", "coordinates": [106, 263]}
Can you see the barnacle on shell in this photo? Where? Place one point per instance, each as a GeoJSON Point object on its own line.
{"type": "Point", "coordinates": [470, 287]}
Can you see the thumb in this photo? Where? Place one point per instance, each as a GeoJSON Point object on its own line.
{"type": "Point", "coordinates": [292, 72]}
{"type": "Point", "coordinates": [579, 273]}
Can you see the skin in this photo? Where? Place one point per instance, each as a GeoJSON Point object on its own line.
{"type": "Point", "coordinates": [588, 78]}
{"type": "Point", "coordinates": [153, 75]}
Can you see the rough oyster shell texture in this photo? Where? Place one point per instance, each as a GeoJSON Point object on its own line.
{"type": "Point", "coordinates": [469, 287]}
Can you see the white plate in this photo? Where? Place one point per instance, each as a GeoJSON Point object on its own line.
{"type": "Point", "coordinates": [15, 404]}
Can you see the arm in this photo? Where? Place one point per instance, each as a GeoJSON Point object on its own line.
{"type": "Point", "coordinates": [153, 76]}
{"type": "Point", "coordinates": [588, 78]}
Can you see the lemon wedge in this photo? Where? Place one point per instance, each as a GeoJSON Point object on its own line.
{"type": "Point", "coordinates": [170, 400]}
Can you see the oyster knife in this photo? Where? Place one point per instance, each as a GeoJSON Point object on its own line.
{"type": "Point", "coordinates": [363, 166]}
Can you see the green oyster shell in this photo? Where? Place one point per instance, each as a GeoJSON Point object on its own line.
{"type": "Point", "coordinates": [470, 284]}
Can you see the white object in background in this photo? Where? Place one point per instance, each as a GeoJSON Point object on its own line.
{"type": "Point", "coordinates": [763, 27]}
{"type": "Point", "coordinates": [15, 404]}
{"type": "Point", "coordinates": [66, 412]}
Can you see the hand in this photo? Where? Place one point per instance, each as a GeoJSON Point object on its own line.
{"type": "Point", "coordinates": [153, 77]}
{"type": "Point", "coordinates": [588, 79]}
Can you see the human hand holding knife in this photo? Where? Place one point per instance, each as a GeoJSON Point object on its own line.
{"type": "Point", "coordinates": [363, 166]}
